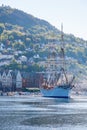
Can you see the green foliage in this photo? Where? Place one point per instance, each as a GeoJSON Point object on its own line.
{"type": "Point", "coordinates": [1, 29]}
{"type": "Point", "coordinates": [26, 33]}
{"type": "Point", "coordinates": [19, 45]}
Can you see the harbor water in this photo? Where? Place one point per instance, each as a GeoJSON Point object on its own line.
{"type": "Point", "coordinates": [34, 112]}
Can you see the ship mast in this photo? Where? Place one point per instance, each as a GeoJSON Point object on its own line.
{"type": "Point", "coordinates": [63, 66]}
{"type": "Point", "coordinates": [62, 49]}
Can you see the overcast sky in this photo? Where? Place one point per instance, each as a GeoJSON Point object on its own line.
{"type": "Point", "coordinates": [72, 13]}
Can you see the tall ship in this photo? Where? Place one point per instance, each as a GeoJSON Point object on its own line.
{"type": "Point", "coordinates": [56, 81]}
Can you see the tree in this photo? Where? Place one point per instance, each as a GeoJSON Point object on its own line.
{"type": "Point", "coordinates": [1, 28]}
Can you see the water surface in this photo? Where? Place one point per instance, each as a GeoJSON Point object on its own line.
{"type": "Point", "coordinates": [38, 113]}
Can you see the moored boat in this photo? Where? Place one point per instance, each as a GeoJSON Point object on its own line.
{"type": "Point", "coordinates": [56, 81]}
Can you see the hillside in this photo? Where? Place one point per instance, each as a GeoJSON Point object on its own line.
{"type": "Point", "coordinates": [18, 17]}
{"type": "Point", "coordinates": [22, 34]}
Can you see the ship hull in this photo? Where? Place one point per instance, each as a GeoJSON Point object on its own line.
{"type": "Point", "coordinates": [56, 92]}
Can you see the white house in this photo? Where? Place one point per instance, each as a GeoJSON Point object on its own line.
{"type": "Point", "coordinates": [18, 80]}
{"type": "Point", "coordinates": [23, 58]}
{"type": "Point", "coordinates": [0, 78]}
{"type": "Point", "coordinates": [9, 79]}
{"type": "Point", "coordinates": [4, 79]}
{"type": "Point", "coordinates": [36, 56]}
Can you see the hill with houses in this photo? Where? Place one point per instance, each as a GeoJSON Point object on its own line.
{"type": "Point", "coordinates": [24, 40]}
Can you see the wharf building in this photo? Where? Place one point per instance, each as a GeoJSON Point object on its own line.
{"type": "Point", "coordinates": [15, 81]}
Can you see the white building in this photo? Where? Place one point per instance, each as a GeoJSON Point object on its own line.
{"type": "Point", "coordinates": [9, 79]}
{"type": "Point", "coordinates": [4, 79]}
{"type": "Point", "coordinates": [23, 59]}
{"type": "Point", "coordinates": [18, 80]}
{"type": "Point", "coordinates": [0, 78]}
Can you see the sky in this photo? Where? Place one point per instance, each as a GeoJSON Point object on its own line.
{"type": "Point", "coordinates": [72, 13]}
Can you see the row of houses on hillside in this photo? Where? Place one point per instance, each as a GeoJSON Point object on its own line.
{"type": "Point", "coordinates": [11, 81]}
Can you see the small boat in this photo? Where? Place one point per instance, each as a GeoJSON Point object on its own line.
{"type": "Point", "coordinates": [55, 81]}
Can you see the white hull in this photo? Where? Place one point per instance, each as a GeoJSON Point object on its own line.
{"type": "Point", "coordinates": [56, 92]}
